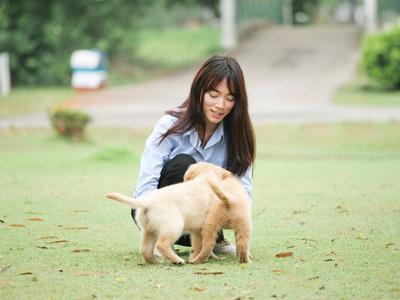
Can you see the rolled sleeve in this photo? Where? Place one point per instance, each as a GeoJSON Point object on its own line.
{"type": "Point", "coordinates": [154, 158]}
{"type": "Point", "coordinates": [247, 182]}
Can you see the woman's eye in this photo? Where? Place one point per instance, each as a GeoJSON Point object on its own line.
{"type": "Point", "coordinates": [230, 99]}
{"type": "Point", "coordinates": [213, 95]}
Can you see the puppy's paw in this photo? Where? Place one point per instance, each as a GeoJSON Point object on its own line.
{"type": "Point", "coordinates": [179, 262]}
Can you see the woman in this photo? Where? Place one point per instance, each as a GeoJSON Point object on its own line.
{"type": "Point", "coordinates": [212, 125]}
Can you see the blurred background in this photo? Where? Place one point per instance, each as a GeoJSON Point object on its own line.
{"type": "Point", "coordinates": [141, 39]}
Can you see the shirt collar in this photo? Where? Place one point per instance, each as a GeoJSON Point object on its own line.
{"type": "Point", "coordinates": [217, 136]}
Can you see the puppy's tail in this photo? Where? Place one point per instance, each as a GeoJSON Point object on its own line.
{"type": "Point", "coordinates": [217, 190]}
{"type": "Point", "coordinates": [131, 202]}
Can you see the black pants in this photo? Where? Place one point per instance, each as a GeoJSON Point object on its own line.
{"type": "Point", "coordinates": [173, 172]}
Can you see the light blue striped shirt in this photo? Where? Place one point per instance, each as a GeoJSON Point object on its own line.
{"type": "Point", "coordinates": [156, 156]}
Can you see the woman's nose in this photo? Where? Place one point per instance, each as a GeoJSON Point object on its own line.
{"type": "Point", "coordinates": [220, 102]}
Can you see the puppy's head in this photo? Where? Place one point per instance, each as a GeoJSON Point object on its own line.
{"type": "Point", "coordinates": [206, 169]}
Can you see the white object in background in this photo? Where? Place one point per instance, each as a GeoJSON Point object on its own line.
{"type": "Point", "coordinates": [370, 13]}
{"type": "Point", "coordinates": [89, 69]}
{"type": "Point", "coordinates": [5, 78]}
{"type": "Point", "coordinates": [229, 39]}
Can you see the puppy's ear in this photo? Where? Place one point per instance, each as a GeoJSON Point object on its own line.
{"type": "Point", "coordinates": [226, 174]}
{"type": "Point", "coordinates": [190, 174]}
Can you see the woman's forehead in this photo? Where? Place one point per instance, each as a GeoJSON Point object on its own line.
{"type": "Point", "coordinates": [221, 84]}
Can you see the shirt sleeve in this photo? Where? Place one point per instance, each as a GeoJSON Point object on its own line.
{"type": "Point", "coordinates": [247, 182]}
{"type": "Point", "coordinates": [154, 158]}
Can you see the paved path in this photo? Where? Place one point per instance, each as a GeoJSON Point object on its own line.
{"type": "Point", "coordinates": [291, 75]}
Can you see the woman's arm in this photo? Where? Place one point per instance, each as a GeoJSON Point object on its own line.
{"type": "Point", "coordinates": [247, 182]}
{"type": "Point", "coordinates": [154, 158]}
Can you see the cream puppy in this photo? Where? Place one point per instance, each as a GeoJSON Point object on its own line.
{"type": "Point", "coordinates": [170, 211]}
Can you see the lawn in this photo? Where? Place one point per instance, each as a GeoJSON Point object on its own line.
{"type": "Point", "coordinates": [363, 91]}
{"type": "Point", "coordinates": [326, 194]}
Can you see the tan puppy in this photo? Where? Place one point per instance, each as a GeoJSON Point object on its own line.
{"type": "Point", "coordinates": [232, 212]}
{"type": "Point", "coordinates": [168, 212]}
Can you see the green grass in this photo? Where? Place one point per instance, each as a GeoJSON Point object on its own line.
{"type": "Point", "coordinates": [362, 91]}
{"type": "Point", "coordinates": [176, 47]}
{"type": "Point", "coordinates": [28, 100]}
{"type": "Point", "coordinates": [327, 193]}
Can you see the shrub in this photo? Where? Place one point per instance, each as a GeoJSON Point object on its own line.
{"type": "Point", "coordinates": [381, 58]}
{"type": "Point", "coordinates": [68, 122]}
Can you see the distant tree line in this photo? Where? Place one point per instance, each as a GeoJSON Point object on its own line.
{"type": "Point", "coordinates": [40, 35]}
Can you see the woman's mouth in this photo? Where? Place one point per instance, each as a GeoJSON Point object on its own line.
{"type": "Point", "coordinates": [216, 114]}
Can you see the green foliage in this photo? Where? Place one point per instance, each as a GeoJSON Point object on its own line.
{"type": "Point", "coordinates": [68, 122]}
{"type": "Point", "coordinates": [41, 35]}
{"type": "Point", "coordinates": [381, 58]}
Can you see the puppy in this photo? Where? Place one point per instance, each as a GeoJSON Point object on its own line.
{"type": "Point", "coordinates": [232, 212]}
{"type": "Point", "coordinates": [170, 211]}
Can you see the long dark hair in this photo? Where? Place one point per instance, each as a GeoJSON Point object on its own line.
{"type": "Point", "coordinates": [237, 124]}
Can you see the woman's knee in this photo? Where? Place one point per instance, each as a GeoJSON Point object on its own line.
{"type": "Point", "coordinates": [174, 170]}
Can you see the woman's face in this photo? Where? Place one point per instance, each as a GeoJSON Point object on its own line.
{"type": "Point", "coordinates": [217, 104]}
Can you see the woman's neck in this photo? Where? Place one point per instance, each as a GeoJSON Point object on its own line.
{"type": "Point", "coordinates": [210, 129]}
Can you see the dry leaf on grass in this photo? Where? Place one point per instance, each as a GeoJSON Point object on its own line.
{"type": "Point", "coordinates": [209, 273]}
{"type": "Point", "coordinates": [81, 250]}
{"type": "Point", "coordinates": [35, 219]}
{"type": "Point", "coordinates": [197, 289]}
{"type": "Point", "coordinates": [390, 244]}
{"type": "Point", "coordinates": [55, 242]}
{"type": "Point", "coordinates": [48, 237]}
{"type": "Point", "coordinates": [54, 270]}
{"type": "Point", "coordinates": [89, 273]}
{"type": "Point", "coordinates": [26, 273]}
{"type": "Point", "coordinates": [285, 254]}
{"type": "Point", "coordinates": [17, 225]}
{"type": "Point", "coordinates": [5, 268]}
{"type": "Point", "coordinates": [75, 228]}
{"type": "Point", "coordinates": [6, 283]}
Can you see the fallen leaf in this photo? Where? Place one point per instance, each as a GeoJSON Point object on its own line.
{"type": "Point", "coordinates": [5, 268]}
{"type": "Point", "coordinates": [81, 250]}
{"type": "Point", "coordinates": [286, 254]}
{"type": "Point", "coordinates": [157, 286]}
{"type": "Point", "coordinates": [343, 211]}
{"type": "Point", "coordinates": [243, 267]}
{"type": "Point", "coordinates": [300, 212]}
{"type": "Point", "coordinates": [26, 273]}
{"type": "Point", "coordinates": [390, 244]}
{"type": "Point", "coordinates": [35, 219]}
{"type": "Point", "coordinates": [287, 218]}
{"type": "Point", "coordinates": [277, 271]}
{"type": "Point", "coordinates": [343, 233]}
{"type": "Point", "coordinates": [355, 228]}
{"type": "Point", "coordinates": [312, 278]}
{"type": "Point", "coordinates": [54, 270]}
{"type": "Point", "coordinates": [40, 247]}
{"type": "Point", "coordinates": [121, 279]}
{"type": "Point", "coordinates": [47, 237]}
{"type": "Point", "coordinates": [17, 225]}
{"type": "Point", "coordinates": [55, 242]}
{"type": "Point", "coordinates": [208, 273]}
{"type": "Point", "coordinates": [89, 273]}
{"type": "Point", "coordinates": [6, 283]}
{"type": "Point", "coordinates": [81, 211]}
{"type": "Point", "coordinates": [197, 289]}
{"type": "Point", "coordinates": [75, 228]}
